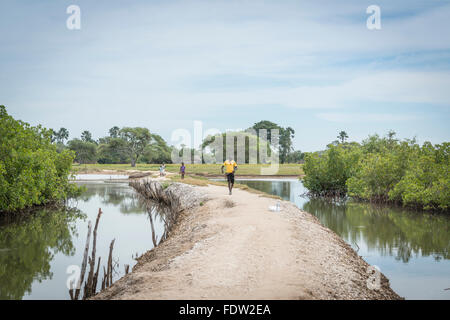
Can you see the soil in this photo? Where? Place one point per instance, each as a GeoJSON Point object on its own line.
{"type": "Point", "coordinates": [234, 247]}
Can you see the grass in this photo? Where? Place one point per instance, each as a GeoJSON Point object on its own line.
{"type": "Point", "coordinates": [291, 169]}
{"type": "Point", "coordinates": [203, 182]}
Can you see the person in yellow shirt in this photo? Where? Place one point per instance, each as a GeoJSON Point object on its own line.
{"type": "Point", "coordinates": [230, 168]}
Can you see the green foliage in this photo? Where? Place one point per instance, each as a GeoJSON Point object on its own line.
{"type": "Point", "coordinates": [426, 181]}
{"type": "Point", "coordinates": [246, 141]}
{"type": "Point", "coordinates": [28, 247]}
{"type": "Point", "coordinates": [60, 136]}
{"type": "Point", "coordinates": [157, 151]}
{"type": "Point", "coordinates": [114, 132]}
{"type": "Point", "coordinates": [327, 173]}
{"type": "Point", "coordinates": [286, 135]}
{"type": "Point", "coordinates": [32, 172]}
{"type": "Point", "coordinates": [342, 136]}
{"type": "Point", "coordinates": [86, 136]}
{"type": "Point", "coordinates": [383, 170]}
{"type": "Point", "coordinates": [113, 150]}
{"type": "Point", "coordinates": [136, 140]}
{"type": "Point", "coordinates": [295, 157]}
{"type": "Point", "coordinates": [86, 152]}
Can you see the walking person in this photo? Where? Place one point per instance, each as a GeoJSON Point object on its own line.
{"type": "Point", "coordinates": [162, 169]}
{"type": "Point", "coordinates": [230, 169]}
{"type": "Point", "coordinates": [182, 170]}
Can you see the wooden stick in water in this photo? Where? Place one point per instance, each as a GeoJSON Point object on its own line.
{"type": "Point", "coordinates": [83, 265]}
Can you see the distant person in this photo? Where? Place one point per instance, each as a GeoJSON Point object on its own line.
{"type": "Point", "coordinates": [162, 170]}
{"type": "Point", "coordinates": [182, 170]}
{"type": "Point", "coordinates": [230, 169]}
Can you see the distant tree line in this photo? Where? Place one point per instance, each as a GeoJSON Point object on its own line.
{"type": "Point", "coordinates": [139, 145]}
{"type": "Point", "coordinates": [382, 169]}
{"type": "Point", "coordinates": [253, 138]}
{"type": "Point", "coordinates": [122, 145]}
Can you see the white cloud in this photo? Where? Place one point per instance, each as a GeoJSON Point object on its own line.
{"type": "Point", "coordinates": [149, 59]}
{"type": "Point", "coordinates": [366, 117]}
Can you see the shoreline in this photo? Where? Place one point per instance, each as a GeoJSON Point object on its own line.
{"type": "Point", "coordinates": [234, 247]}
{"type": "Point", "coordinates": [136, 174]}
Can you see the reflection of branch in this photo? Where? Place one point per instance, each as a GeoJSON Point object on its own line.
{"type": "Point", "coordinates": [154, 237]}
{"type": "Point", "coordinates": [83, 265]}
{"type": "Point", "coordinates": [108, 281]}
{"type": "Point", "coordinates": [90, 289]}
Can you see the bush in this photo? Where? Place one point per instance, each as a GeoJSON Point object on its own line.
{"type": "Point", "coordinates": [426, 181]}
{"type": "Point", "coordinates": [383, 170]}
{"type": "Point", "coordinates": [327, 172]}
{"type": "Point", "coordinates": [85, 152]}
{"type": "Point", "coordinates": [32, 172]}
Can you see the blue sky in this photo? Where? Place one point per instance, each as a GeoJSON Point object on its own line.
{"type": "Point", "coordinates": [311, 65]}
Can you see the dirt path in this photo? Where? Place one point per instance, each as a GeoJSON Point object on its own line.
{"type": "Point", "coordinates": [234, 247]}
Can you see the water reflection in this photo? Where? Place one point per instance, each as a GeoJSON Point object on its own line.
{"type": "Point", "coordinates": [28, 246]}
{"type": "Point", "coordinates": [411, 248]}
{"type": "Point", "coordinates": [110, 194]}
{"type": "Point", "coordinates": [35, 251]}
{"type": "Point", "coordinates": [161, 213]}
{"type": "Point", "coordinates": [390, 231]}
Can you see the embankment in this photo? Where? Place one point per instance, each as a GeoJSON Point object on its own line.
{"type": "Point", "coordinates": [234, 247]}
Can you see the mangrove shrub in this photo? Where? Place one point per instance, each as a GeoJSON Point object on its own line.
{"type": "Point", "coordinates": [383, 170]}
{"type": "Point", "coordinates": [32, 172]}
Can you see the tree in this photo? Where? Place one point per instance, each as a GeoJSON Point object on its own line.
{"type": "Point", "coordinates": [328, 172]}
{"type": "Point", "coordinates": [286, 135]}
{"type": "Point", "coordinates": [113, 150]}
{"type": "Point", "coordinates": [286, 144]}
{"type": "Point", "coordinates": [60, 136]}
{"type": "Point", "coordinates": [342, 136]}
{"type": "Point", "coordinates": [295, 157]}
{"type": "Point", "coordinates": [86, 152]}
{"type": "Point", "coordinates": [157, 151]}
{"type": "Point", "coordinates": [32, 172]}
{"type": "Point", "coordinates": [383, 170]}
{"type": "Point", "coordinates": [136, 140]}
{"type": "Point", "coordinates": [242, 141]}
{"type": "Point", "coordinates": [86, 136]}
{"type": "Point", "coordinates": [114, 132]}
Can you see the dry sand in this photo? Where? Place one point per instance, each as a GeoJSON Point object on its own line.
{"type": "Point", "coordinates": [234, 247]}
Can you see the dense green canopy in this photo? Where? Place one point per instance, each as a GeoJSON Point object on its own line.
{"type": "Point", "coordinates": [32, 172]}
{"type": "Point", "coordinates": [383, 170]}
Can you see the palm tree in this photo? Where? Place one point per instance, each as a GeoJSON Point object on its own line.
{"type": "Point", "coordinates": [86, 136]}
{"type": "Point", "coordinates": [342, 136]}
{"type": "Point", "coordinates": [61, 135]}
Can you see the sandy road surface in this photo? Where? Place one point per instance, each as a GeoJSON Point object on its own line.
{"type": "Point", "coordinates": [234, 247]}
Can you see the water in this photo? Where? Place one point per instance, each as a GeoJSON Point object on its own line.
{"type": "Point", "coordinates": [36, 251]}
{"type": "Point", "coordinates": [98, 177]}
{"type": "Point", "coordinates": [410, 248]}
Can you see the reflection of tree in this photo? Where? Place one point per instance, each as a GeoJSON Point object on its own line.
{"type": "Point", "coordinates": [112, 194]}
{"type": "Point", "coordinates": [27, 247]}
{"type": "Point", "coordinates": [392, 231]}
{"type": "Point", "coordinates": [278, 188]}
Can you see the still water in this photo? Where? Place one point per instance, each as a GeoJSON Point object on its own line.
{"type": "Point", "coordinates": [410, 248]}
{"type": "Point", "coordinates": [36, 251]}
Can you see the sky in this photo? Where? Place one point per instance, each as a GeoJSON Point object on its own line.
{"type": "Point", "coordinates": [310, 65]}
